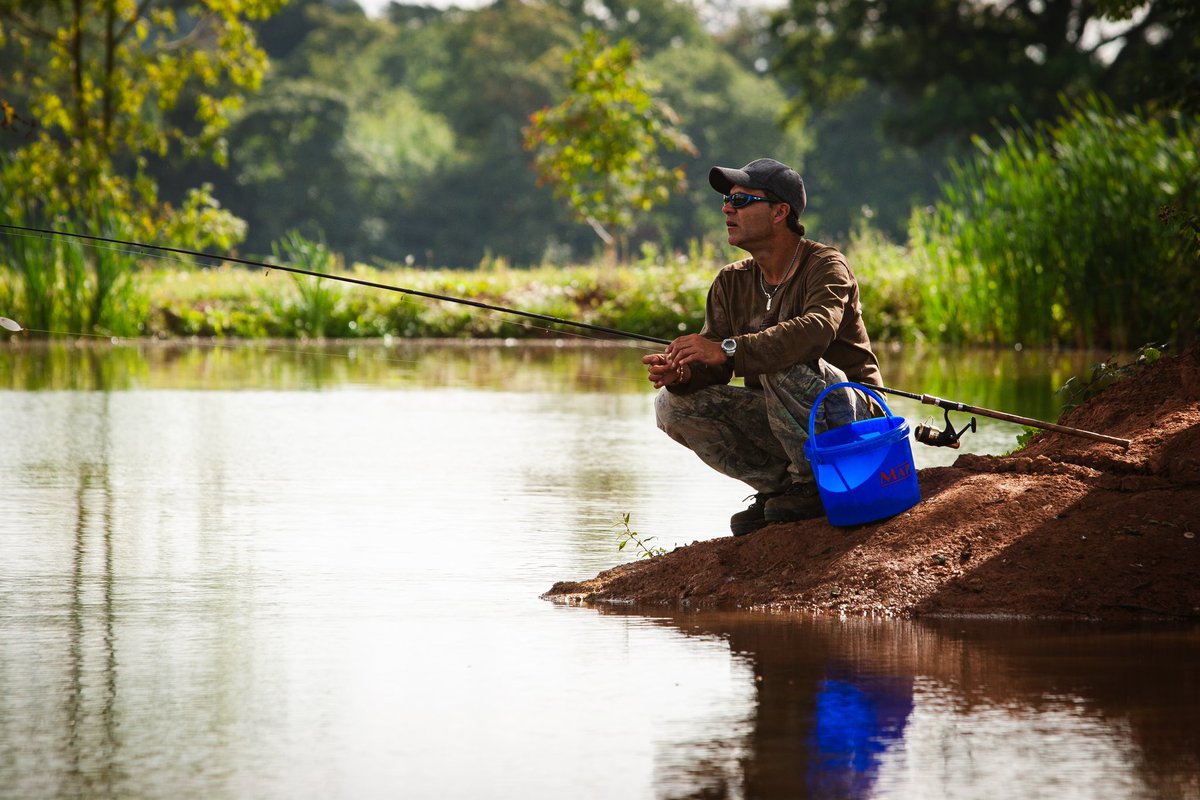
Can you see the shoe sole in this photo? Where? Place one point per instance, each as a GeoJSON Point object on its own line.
{"type": "Point", "coordinates": [747, 527]}
{"type": "Point", "coordinates": [795, 516]}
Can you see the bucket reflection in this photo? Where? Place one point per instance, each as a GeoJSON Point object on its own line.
{"type": "Point", "coordinates": [860, 708]}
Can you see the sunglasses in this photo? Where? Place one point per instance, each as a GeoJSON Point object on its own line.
{"type": "Point", "coordinates": [741, 199]}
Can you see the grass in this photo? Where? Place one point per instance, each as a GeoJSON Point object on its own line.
{"type": "Point", "coordinates": [237, 302]}
{"type": "Point", "coordinates": [1054, 236]}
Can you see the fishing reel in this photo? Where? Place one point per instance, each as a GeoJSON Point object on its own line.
{"type": "Point", "coordinates": [925, 433]}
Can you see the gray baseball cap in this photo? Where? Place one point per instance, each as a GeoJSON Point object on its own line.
{"type": "Point", "coordinates": [763, 173]}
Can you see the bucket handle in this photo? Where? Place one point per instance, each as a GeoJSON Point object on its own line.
{"type": "Point", "coordinates": [812, 416]}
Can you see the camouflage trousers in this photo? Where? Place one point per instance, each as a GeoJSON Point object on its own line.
{"type": "Point", "coordinates": [758, 436]}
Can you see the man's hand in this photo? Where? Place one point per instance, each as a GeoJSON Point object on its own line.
{"type": "Point", "coordinates": [662, 372]}
{"type": "Point", "coordinates": [695, 347]}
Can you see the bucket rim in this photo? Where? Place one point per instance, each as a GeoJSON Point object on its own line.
{"type": "Point", "coordinates": [812, 415]}
{"type": "Point", "coordinates": [896, 434]}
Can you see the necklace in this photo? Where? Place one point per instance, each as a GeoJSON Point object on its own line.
{"type": "Point", "coordinates": [763, 284]}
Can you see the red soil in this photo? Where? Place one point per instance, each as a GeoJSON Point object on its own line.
{"type": "Point", "coordinates": [1067, 527]}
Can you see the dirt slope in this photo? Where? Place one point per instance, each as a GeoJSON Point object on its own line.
{"type": "Point", "coordinates": [1068, 527]}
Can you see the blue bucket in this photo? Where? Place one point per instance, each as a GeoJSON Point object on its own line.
{"type": "Point", "coordinates": [864, 470]}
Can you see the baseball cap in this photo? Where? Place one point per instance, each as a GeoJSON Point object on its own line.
{"type": "Point", "coordinates": [763, 173]}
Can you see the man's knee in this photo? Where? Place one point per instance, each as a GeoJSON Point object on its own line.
{"type": "Point", "coordinates": [662, 408]}
{"type": "Point", "coordinates": [668, 408]}
{"type": "Point", "coordinates": [802, 381]}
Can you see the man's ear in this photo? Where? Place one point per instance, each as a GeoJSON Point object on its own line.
{"type": "Point", "coordinates": [781, 211]}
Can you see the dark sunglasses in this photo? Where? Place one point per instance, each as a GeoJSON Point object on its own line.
{"type": "Point", "coordinates": [741, 199]}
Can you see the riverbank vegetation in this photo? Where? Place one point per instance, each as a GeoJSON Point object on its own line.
{"type": "Point", "coordinates": [403, 149]}
{"type": "Point", "coordinates": [1059, 237]}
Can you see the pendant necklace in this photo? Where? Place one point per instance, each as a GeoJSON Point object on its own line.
{"type": "Point", "coordinates": [763, 284]}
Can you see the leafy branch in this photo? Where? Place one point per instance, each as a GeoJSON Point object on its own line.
{"type": "Point", "coordinates": [1105, 374]}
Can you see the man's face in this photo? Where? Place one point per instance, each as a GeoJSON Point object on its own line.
{"type": "Point", "coordinates": [749, 224]}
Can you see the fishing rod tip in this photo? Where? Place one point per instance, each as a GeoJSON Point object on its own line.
{"type": "Point", "coordinates": [10, 325]}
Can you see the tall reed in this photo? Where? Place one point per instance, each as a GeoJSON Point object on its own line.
{"type": "Point", "coordinates": [68, 285]}
{"type": "Point", "coordinates": [1053, 235]}
{"type": "Point", "coordinates": [317, 298]}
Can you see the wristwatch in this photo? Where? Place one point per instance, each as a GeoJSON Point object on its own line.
{"type": "Point", "coordinates": [730, 347]}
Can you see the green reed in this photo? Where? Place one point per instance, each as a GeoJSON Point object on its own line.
{"type": "Point", "coordinates": [316, 299]}
{"type": "Point", "coordinates": [1053, 235]}
{"type": "Point", "coordinates": [59, 284]}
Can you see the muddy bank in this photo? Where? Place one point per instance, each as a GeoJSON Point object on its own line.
{"type": "Point", "coordinates": [1068, 527]}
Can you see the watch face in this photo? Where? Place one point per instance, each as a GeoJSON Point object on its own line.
{"type": "Point", "coordinates": [729, 346]}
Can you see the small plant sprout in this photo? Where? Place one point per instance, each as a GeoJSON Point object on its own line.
{"type": "Point", "coordinates": [642, 543]}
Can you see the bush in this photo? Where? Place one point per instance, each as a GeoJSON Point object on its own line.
{"type": "Point", "coordinates": [1054, 236]}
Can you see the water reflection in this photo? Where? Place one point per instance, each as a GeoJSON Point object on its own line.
{"type": "Point", "coordinates": [856, 708]}
{"type": "Point", "coordinates": [548, 366]}
{"type": "Point", "coordinates": [250, 572]}
{"type": "Point", "coordinates": [1021, 382]}
{"type": "Point", "coordinates": [1017, 382]}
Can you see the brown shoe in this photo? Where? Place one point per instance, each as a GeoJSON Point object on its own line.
{"type": "Point", "coordinates": [801, 501]}
{"type": "Point", "coordinates": [752, 518]}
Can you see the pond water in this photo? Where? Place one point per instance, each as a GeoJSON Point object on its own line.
{"type": "Point", "coordinates": [289, 571]}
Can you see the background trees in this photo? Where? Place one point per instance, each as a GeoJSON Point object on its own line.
{"type": "Point", "coordinates": [920, 78]}
{"type": "Point", "coordinates": [400, 139]}
{"type": "Point", "coordinates": [101, 87]}
{"type": "Point", "coordinates": [110, 83]}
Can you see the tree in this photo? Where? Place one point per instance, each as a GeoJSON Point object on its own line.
{"type": "Point", "coordinates": [953, 68]}
{"type": "Point", "coordinates": [484, 72]}
{"type": "Point", "coordinates": [104, 81]}
{"type": "Point", "coordinates": [600, 146]}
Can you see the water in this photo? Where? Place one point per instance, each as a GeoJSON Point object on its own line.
{"type": "Point", "coordinates": [288, 572]}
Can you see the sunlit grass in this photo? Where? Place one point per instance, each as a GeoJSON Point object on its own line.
{"type": "Point", "coordinates": [244, 302]}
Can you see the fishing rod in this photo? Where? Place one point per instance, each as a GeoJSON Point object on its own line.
{"type": "Point", "coordinates": [925, 434]}
{"type": "Point", "coordinates": [949, 437]}
{"type": "Point", "coordinates": [343, 279]}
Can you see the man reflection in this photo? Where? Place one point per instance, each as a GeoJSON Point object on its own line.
{"type": "Point", "coordinates": [823, 725]}
{"type": "Point", "coordinates": [857, 719]}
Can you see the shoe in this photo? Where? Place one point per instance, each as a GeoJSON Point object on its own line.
{"type": "Point", "coordinates": [801, 501]}
{"type": "Point", "coordinates": [752, 518]}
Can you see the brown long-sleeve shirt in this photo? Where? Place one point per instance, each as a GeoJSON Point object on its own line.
{"type": "Point", "coordinates": [814, 314]}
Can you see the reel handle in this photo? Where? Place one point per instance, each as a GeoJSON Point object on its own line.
{"type": "Point", "coordinates": [929, 435]}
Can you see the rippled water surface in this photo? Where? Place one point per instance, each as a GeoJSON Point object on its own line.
{"type": "Point", "coordinates": [288, 572]}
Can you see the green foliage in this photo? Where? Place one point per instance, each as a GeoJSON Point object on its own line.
{"type": "Point", "coordinates": [61, 284]}
{"type": "Point", "coordinates": [1052, 237]}
{"type": "Point", "coordinates": [599, 148]}
{"type": "Point", "coordinates": [1185, 224]}
{"type": "Point", "coordinates": [1104, 374]}
{"type": "Point", "coordinates": [959, 68]}
{"type": "Point", "coordinates": [658, 301]}
{"type": "Point", "coordinates": [1023, 438]}
{"type": "Point", "coordinates": [888, 90]}
{"type": "Point", "coordinates": [642, 543]}
{"type": "Point", "coordinates": [108, 84]}
{"type": "Point", "coordinates": [890, 285]}
{"type": "Point", "coordinates": [104, 80]}
{"type": "Point", "coordinates": [200, 223]}
{"type": "Point", "coordinates": [728, 112]}
{"type": "Point", "coordinates": [318, 297]}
